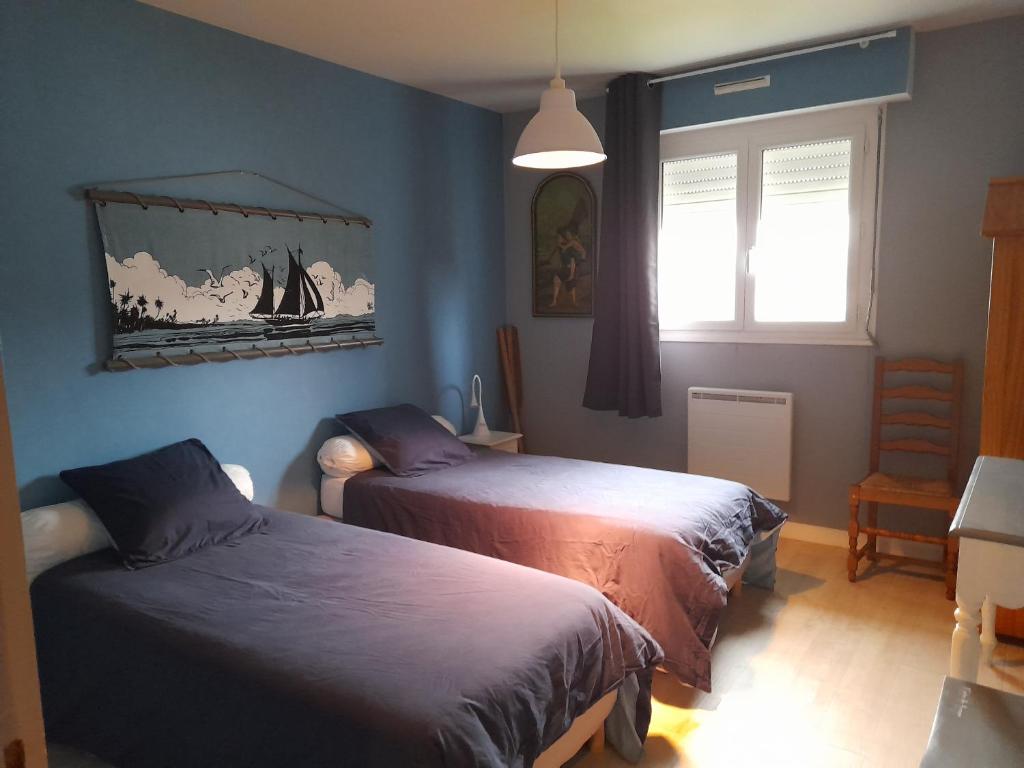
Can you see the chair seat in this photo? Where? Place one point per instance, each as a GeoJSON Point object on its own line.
{"type": "Point", "coordinates": [907, 484]}
{"type": "Point", "coordinates": [905, 489]}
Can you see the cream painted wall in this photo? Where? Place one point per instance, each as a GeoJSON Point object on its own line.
{"type": "Point", "coordinates": [962, 127]}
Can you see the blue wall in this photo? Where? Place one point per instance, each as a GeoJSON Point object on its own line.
{"type": "Point", "coordinates": [883, 70]}
{"type": "Point", "coordinates": [112, 89]}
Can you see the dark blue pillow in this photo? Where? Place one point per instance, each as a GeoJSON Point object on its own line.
{"type": "Point", "coordinates": [407, 439]}
{"type": "Point", "coordinates": [165, 504]}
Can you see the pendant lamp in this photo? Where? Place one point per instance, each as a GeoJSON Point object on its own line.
{"type": "Point", "coordinates": [558, 136]}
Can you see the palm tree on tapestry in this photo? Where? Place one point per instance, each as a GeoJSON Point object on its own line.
{"type": "Point", "coordinates": [159, 304]}
{"type": "Point", "coordinates": [113, 285]}
{"type": "Point", "coordinates": [143, 302]}
{"type": "Point", "coordinates": [122, 315]}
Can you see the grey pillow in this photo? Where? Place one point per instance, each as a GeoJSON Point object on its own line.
{"type": "Point", "coordinates": [407, 439]}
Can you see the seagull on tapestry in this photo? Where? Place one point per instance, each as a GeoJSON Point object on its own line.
{"type": "Point", "coordinates": [216, 282]}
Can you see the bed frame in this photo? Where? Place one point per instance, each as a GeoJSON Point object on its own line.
{"type": "Point", "coordinates": [587, 727]}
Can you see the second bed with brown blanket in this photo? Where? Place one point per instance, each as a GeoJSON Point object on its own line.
{"type": "Point", "coordinates": [657, 544]}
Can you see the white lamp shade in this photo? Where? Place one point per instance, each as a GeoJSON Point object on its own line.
{"type": "Point", "coordinates": [558, 136]}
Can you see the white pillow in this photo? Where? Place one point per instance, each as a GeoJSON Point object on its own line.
{"type": "Point", "coordinates": [241, 478]}
{"type": "Point", "coordinates": [344, 456]}
{"type": "Point", "coordinates": [446, 424]}
{"type": "Point", "coordinates": [55, 534]}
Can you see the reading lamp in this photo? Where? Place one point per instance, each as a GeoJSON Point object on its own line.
{"type": "Point", "coordinates": [477, 401]}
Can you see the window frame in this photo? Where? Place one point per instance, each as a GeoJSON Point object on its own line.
{"type": "Point", "coordinates": [747, 139]}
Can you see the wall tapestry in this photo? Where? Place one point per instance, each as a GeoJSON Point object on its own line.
{"type": "Point", "coordinates": [188, 281]}
{"type": "Point", "coordinates": [564, 247]}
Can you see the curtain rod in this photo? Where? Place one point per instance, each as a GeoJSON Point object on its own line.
{"type": "Point", "coordinates": [864, 41]}
{"type": "Point", "coordinates": [163, 201]}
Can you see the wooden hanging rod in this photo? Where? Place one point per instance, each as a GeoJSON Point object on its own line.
{"type": "Point", "coordinates": [103, 196]}
{"type": "Point", "coordinates": [224, 355]}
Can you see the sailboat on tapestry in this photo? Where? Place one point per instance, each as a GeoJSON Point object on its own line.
{"type": "Point", "coordinates": [301, 301]}
{"type": "Point", "coordinates": [189, 280]}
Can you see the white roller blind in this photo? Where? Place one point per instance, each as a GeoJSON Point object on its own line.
{"type": "Point", "coordinates": [822, 166]}
{"type": "Point", "coordinates": [699, 179]}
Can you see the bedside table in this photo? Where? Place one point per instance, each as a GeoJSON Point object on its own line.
{"type": "Point", "coordinates": [499, 441]}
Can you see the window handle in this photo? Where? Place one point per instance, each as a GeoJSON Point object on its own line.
{"type": "Point", "coordinates": [754, 256]}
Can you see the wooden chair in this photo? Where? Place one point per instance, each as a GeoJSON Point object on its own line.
{"type": "Point", "coordinates": [902, 490]}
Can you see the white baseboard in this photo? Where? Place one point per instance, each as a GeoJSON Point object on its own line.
{"type": "Point", "coordinates": [838, 537]}
{"type": "Point", "coordinates": [815, 534]}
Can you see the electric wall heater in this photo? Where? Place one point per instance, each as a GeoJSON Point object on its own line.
{"type": "Point", "coordinates": [742, 435]}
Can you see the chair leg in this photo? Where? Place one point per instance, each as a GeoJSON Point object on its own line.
{"type": "Point", "coordinates": [851, 560]}
{"type": "Point", "coordinates": [872, 550]}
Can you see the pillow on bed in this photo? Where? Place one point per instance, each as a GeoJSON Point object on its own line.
{"type": "Point", "coordinates": [165, 504]}
{"type": "Point", "coordinates": [344, 457]}
{"type": "Point", "coordinates": [445, 423]}
{"type": "Point", "coordinates": [240, 476]}
{"type": "Point", "coordinates": [407, 439]}
{"type": "Point", "coordinates": [57, 533]}
{"type": "Point", "coordinates": [60, 532]}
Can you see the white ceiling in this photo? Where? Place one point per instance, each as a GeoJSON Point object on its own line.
{"type": "Point", "coordinates": [499, 53]}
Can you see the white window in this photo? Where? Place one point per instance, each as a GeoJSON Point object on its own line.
{"type": "Point", "coordinates": [768, 229]}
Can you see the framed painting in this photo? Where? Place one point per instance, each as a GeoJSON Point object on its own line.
{"type": "Point", "coordinates": [564, 221]}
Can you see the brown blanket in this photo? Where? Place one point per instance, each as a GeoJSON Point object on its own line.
{"type": "Point", "coordinates": [655, 543]}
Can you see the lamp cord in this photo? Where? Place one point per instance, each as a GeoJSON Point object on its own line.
{"type": "Point", "coordinates": [558, 65]}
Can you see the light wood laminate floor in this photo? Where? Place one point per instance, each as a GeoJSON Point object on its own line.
{"type": "Point", "coordinates": [819, 673]}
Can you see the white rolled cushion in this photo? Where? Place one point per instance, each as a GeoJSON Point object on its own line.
{"type": "Point", "coordinates": [57, 533]}
{"type": "Point", "coordinates": [446, 424]}
{"type": "Point", "coordinates": [344, 456]}
{"type": "Point", "coordinates": [241, 478]}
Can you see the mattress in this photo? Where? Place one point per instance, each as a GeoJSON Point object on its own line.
{"type": "Point", "coordinates": [332, 496]}
{"type": "Point", "coordinates": [318, 644]}
{"type": "Point", "coordinates": [660, 545]}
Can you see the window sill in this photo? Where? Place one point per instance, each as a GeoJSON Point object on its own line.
{"type": "Point", "coordinates": [748, 337]}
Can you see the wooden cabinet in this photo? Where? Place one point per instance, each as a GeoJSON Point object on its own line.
{"type": "Point", "coordinates": [1002, 403]}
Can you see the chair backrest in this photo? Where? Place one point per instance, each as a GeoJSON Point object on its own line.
{"type": "Point", "coordinates": [922, 420]}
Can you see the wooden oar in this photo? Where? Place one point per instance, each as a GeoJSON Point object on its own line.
{"type": "Point", "coordinates": [508, 352]}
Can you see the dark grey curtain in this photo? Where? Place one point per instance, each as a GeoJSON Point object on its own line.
{"type": "Point", "coordinates": [625, 357]}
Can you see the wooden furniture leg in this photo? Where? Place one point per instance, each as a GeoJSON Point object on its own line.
{"type": "Point", "coordinates": [872, 549]}
{"type": "Point", "coordinates": [988, 631]}
{"type": "Point", "coordinates": [851, 560]}
{"type": "Point", "coordinates": [950, 556]}
{"type": "Point", "coordinates": [966, 646]}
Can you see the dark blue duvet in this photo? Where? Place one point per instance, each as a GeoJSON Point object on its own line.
{"type": "Point", "coordinates": [318, 644]}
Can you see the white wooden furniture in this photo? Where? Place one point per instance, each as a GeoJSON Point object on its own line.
{"type": "Point", "coordinates": [499, 441]}
{"type": "Point", "coordinates": [990, 526]}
